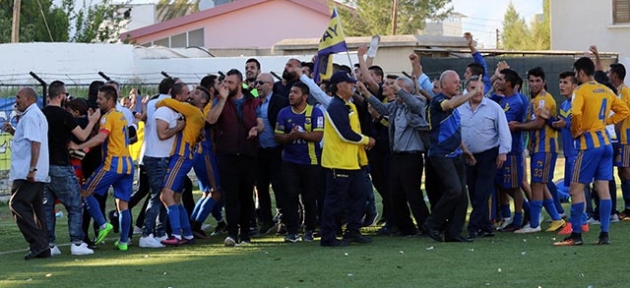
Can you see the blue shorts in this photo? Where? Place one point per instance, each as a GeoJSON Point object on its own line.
{"type": "Point", "coordinates": [101, 180]}
{"type": "Point", "coordinates": [178, 168]}
{"type": "Point", "coordinates": [622, 155]}
{"type": "Point", "coordinates": [510, 176]}
{"type": "Point", "coordinates": [207, 172]}
{"type": "Point", "coordinates": [542, 165]}
{"type": "Point", "coordinates": [593, 163]}
{"type": "Point", "coordinates": [569, 163]}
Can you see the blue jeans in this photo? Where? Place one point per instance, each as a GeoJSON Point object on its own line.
{"type": "Point", "coordinates": [65, 187]}
{"type": "Point", "coordinates": [155, 215]}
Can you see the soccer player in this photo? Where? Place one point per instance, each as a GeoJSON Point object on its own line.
{"type": "Point", "coordinates": [592, 104]}
{"type": "Point", "coordinates": [543, 150]}
{"type": "Point", "coordinates": [180, 163]}
{"type": "Point", "coordinates": [206, 170]}
{"type": "Point", "coordinates": [568, 83]}
{"type": "Point", "coordinates": [299, 128]}
{"type": "Point", "coordinates": [116, 169]}
{"type": "Point", "coordinates": [510, 174]}
{"type": "Point", "coordinates": [617, 74]}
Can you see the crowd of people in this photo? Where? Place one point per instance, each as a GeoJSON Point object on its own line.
{"type": "Point", "coordinates": [324, 148]}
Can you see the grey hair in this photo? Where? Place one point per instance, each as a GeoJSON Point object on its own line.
{"type": "Point", "coordinates": [471, 79]}
{"type": "Point", "coordinates": [407, 84]}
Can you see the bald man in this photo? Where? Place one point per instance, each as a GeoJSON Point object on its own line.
{"type": "Point", "coordinates": [29, 172]}
{"type": "Point", "coordinates": [269, 153]}
{"type": "Point", "coordinates": [446, 156]}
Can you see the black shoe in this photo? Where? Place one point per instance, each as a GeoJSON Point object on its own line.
{"type": "Point", "coordinates": [603, 239]}
{"type": "Point", "coordinates": [254, 232]}
{"type": "Point", "coordinates": [385, 231]}
{"type": "Point", "coordinates": [43, 253]}
{"type": "Point", "coordinates": [221, 225]}
{"type": "Point", "coordinates": [457, 238]}
{"type": "Point", "coordinates": [510, 228]}
{"type": "Point", "coordinates": [333, 243]}
{"type": "Point", "coordinates": [292, 238]}
{"type": "Point", "coordinates": [356, 237]}
{"type": "Point", "coordinates": [483, 234]}
{"type": "Point", "coordinates": [434, 234]}
{"type": "Point", "coordinates": [472, 235]}
{"type": "Point", "coordinates": [113, 219]}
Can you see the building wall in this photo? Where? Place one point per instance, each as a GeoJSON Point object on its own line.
{"type": "Point", "coordinates": [577, 24]}
{"type": "Point", "coordinates": [258, 26]}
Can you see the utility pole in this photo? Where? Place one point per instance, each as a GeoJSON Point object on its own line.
{"type": "Point", "coordinates": [497, 39]}
{"type": "Point", "coordinates": [395, 17]}
{"type": "Point", "coordinates": [15, 30]}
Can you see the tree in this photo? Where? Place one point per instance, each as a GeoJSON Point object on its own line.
{"type": "Point", "coordinates": [516, 35]}
{"type": "Point", "coordinates": [96, 23]}
{"type": "Point", "coordinates": [171, 9]}
{"type": "Point", "coordinates": [374, 17]}
{"type": "Point", "coordinates": [40, 21]}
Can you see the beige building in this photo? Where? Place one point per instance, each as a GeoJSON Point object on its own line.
{"type": "Point", "coordinates": [577, 24]}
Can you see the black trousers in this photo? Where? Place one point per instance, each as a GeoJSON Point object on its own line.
{"type": "Point", "coordinates": [379, 163]}
{"type": "Point", "coordinates": [138, 195]}
{"type": "Point", "coordinates": [237, 179]}
{"type": "Point", "coordinates": [406, 178]}
{"type": "Point", "coordinates": [301, 180]}
{"type": "Point", "coordinates": [27, 206]}
{"type": "Point", "coordinates": [480, 182]}
{"type": "Point", "coordinates": [450, 209]}
{"type": "Point", "coordinates": [432, 183]}
{"type": "Point", "coordinates": [345, 192]}
{"type": "Point", "coordinates": [269, 172]}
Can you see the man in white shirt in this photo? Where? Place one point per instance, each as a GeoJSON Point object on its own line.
{"type": "Point", "coordinates": [160, 127]}
{"type": "Point", "coordinates": [29, 172]}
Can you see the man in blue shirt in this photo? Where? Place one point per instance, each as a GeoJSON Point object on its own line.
{"type": "Point", "coordinates": [299, 128]}
{"type": "Point", "coordinates": [446, 158]}
{"type": "Point", "coordinates": [269, 154]}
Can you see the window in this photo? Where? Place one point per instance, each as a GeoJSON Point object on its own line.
{"type": "Point", "coordinates": [162, 42]}
{"type": "Point", "coordinates": [183, 40]}
{"type": "Point", "coordinates": [621, 11]}
{"type": "Point", "coordinates": [195, 38]}
{"type": "Point", "coordinates": [178, 41]}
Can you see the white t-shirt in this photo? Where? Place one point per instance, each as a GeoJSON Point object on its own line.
{"type": "Point", "coordinates": [32, 127]}
{"type": "Point", "coordinates": [154, 146]}
{"type": "Point", "coordinates": [131, 121]}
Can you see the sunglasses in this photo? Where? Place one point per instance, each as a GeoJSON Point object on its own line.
{"type": "Point", "coordinates": [260, 82]}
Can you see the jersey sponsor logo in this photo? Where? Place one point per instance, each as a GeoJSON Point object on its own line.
{"type": "Point", "coordinates": [320, 121]}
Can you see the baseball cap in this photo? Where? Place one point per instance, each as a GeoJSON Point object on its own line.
{"type": "Point", "coordinates": [341, 76]}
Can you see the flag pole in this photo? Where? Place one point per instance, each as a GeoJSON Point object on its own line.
{"type": "Point", "coordinates": [344, 37]}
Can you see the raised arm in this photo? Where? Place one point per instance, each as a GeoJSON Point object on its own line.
{"type": "Point", "coordinates": [215, 112]}
{"type": "Point", "coordinates": [366, 77]}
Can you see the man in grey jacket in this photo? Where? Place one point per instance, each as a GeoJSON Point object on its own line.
{"type": "Point", "coordinates": [406, 121]}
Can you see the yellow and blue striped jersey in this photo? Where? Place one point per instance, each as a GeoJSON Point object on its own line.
{"type": "Point", "coordinates": [185, 140]}
{"type": "Point", "coordinates": [623, 93]}
{"type": "Point", "coordinates": [546, 138]}
{"type": "Point", "coordinates": [115, 149]}
{"type": "Point", "coordinates": [591, 106]}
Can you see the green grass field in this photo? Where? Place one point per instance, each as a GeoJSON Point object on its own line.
{"type": "Point", "coordinates": [507, 260]}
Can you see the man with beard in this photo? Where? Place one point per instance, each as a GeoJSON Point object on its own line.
{"type": "Point", "coordinates": [269, 152]}
{"type": "Point", "coordinates": [252, 70]}
{"type": "Point", "coordinates": [289, 77]}
{"type": "Point", "coordinates": [300, 128]}
{"type": "Point", "coordinates": [237, 123]}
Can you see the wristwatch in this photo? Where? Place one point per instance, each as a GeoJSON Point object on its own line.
{"type": "Point", "coordinates": [32, 169]}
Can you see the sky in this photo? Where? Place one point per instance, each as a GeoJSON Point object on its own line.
{"type": "Point", "coordinates": [482, 22]}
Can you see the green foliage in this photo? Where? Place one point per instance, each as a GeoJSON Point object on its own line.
{"type": "Point", "coordinates": [374, 17]}
{"type": "Point", "coordinates": [32, 24]}
{"type": "Point", "coordinates": [517, 35]}
{"type": "Point", "coordinates": [171, 9]}
{"type": "Point", "coordinates": [97, 23]}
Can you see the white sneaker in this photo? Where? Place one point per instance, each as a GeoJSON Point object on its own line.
{"type": "Point", "coordinates": [229, 242]}
{"type": "Point", "coordinates": [150, 242]}
{"type": "Point", "coordinates": [614, 218]}
{"type": "Point", "coordinates": [54, 250]}
{"type": "Point", "coordinates": [592, 221]}
{"type": "Point", "coordinates": [137, 230]}
{"type": "Point", "coordinates": [528, 229]}
{"type": "Point", "coordinates": [504, 223]}
{"type": "Point", "coordinates": [81, 249]}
